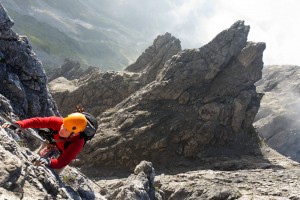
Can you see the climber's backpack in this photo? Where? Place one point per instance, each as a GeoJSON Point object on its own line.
{"type": "Point", "coordinates": [91, 128]}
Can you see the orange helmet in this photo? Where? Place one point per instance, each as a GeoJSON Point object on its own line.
{"type": "Point", "coordinates": [75, 122]}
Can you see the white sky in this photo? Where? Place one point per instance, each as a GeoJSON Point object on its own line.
{"type": "Point", "coordinates": [275, 22]}
{"type": "Point", "coordinates": [196, 22]}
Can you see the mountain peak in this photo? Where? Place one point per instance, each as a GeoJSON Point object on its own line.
{"type": "Point", "coordinates": [5, 21]}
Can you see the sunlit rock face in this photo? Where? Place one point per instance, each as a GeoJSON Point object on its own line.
{"type": "Point", "coordinates": [98, 91]}
{"type": "Point", "coordinates": [201, 103]}
{"type": "Point", "coordinates": [278, 118]}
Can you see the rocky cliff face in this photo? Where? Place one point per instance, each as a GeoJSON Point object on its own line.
{"type": "Point", "coordinates": [191, 102]}
{"type": "Point", "coordinates": [278, 118]}
{"type": "Point", "coordinates": [22, 78]}
{"type": "Point", "coordinates": [24, 93]}
{"type": "Point", "coordinates": [202, 102]}
{"type": "Point", "coordinates": [102, 90]}
{"type": "Point", "coordinates": [19, 179]}
{"type": "Point", "coordinates": [269, 177]}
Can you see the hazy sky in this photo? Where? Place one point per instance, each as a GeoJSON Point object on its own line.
{"type": "Point", "coordinates": [196, 22]}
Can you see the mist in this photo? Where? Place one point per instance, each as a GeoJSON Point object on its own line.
{"type": "Point", "coordinates": [196, 22]}
{"type": "Point", "coordinates": [135, 24]}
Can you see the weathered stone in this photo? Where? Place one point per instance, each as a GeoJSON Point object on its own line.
{"type": "Point", "coordinates": [9, 170]}
{"type": "Point", "coordinates": [5, 21]}
{"type": "Point", "coordinates": [152, 61]}
{"type": "Point", "coordinates": [277, 120]}
{"type": "Point", "coordinates": [100, 91]}
{"type": "Point", "coordinates": [200, 98]}
{"type": "Point", "coordinates": [272, 176]}
{"type": "Point", "coordinates": [20, 179]}
{"type": "Point", "coordinates": [23, 80]}
{"type": "Point", "coordinates": [70, 70]}
{"type": "Point", "coordinates": [139, 185]}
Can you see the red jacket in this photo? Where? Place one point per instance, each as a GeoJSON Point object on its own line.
{"type": "Point", "coordinates": [55, 123]}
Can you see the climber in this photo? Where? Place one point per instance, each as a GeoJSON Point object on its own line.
{"type": "Point", "coordinates": [65, 133]}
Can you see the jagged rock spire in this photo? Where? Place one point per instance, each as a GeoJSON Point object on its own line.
{"type": "Point", "coordinates": [102, 90]}
{"type": "Point", "coordinates": [5, 21]}
{"type": "Point", "coordinates": [202, 99]}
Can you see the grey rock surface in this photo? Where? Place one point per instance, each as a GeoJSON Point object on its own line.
{"type": "Point", "coordinates": [22, 78]}
{"type": "Point", "coordinates": [70, 70]}
{"type": "Point", "coordinates": [278, 118]}
{"type": "Point", "coordinates": [202, 103]}
{"type": "Point", "coordinates": [139, 185]}
{"type": "Point", "coordinates": [99, 91]}
{"type": "Point", "coordinates": [271, 176]}
{"type": "Point", "coordinates": [152, 61]}
{"type": "Point", "coordinates": [96, 93]}
{"type": "Point", "coordinates": [20, 179]}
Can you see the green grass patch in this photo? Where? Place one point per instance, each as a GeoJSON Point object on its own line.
{"type": "Point", "coordinates": [94, 48]}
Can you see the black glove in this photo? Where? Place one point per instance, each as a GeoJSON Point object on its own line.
{"type": "Point", "coordinates": [45, 161]}
{"type": "Point", "coordinates": [11, 126]}
{"type": "Point", "coordinates": [41, 161]}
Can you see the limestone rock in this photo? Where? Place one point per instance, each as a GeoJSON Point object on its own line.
{"type": "Point", "coordinates": [278, 120]}
{"type": "Point", "coordinates": [5, 21]}
{"type": "Point", "coordinates": [201, 99]}
{"type": "Point", "coordinates": [96, 93]}
{"type": "Point", "coordinates": [19, 179]}
{"type": "Point", "coordinates": [22, 78]}
{"type": "Point", "coordinates": [139, 185]}
{"type": "Point", "coordinates": [271, 176]}
{"type": "Point", "coordinates": [152, 61]}
{"type": "Point", "coordinates": [70, 70]}
{"type": "Point", "coordinates": [61, 85]}
{"type": "Point", "coordinates": [103, 90]}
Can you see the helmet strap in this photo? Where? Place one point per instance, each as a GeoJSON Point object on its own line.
{"type": "Point", "coordinates": [70, 135]}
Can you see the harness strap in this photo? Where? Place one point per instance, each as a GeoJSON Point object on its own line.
{"type": "Point", "coordinates": [60, 140]}
{"type": "Point", "coordinates": [53, 141]}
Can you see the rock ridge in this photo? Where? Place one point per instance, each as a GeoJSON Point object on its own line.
{"type": "Point", "coordinates": [106, 89]}
{"type": "Point", "coordinates": [202, 100]}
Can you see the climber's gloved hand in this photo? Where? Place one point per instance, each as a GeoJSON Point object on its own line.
{"type": "Point", "coordinates": [11, 126]}
{"type": "Point", "coordinates": [45, 161]}
{"type": "Point", "coordinates": [41, 161]}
